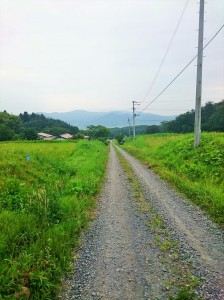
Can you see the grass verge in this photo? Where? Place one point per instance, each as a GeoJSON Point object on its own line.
{"type": "Point", "coordinates": [198, 173]}
{"type": "Point", "coordinates": [47, 195]}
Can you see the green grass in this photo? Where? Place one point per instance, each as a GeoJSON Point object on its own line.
{"type": "Point", "coordinates": [198, 173]}
{"type": "Point", "coordinates": [185, 294]}
{"type": "Point", "coordinates": [44, 205]}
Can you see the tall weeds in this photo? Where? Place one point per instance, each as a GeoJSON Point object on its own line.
{"type": "Point", "coordinates": [45, 202]}
{"type": "Point", "coordinates": [198, 173]}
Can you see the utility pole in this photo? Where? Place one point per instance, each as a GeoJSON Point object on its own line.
{"type": "Point", "coordinates": [129, 124]}
{"type": "Point", "coordinates": [197, 121]}
{"type": "Point", "coordinates": [134, 115]}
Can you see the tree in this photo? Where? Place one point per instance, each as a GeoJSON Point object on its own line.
{"type": "Point", "coordinates": [96, 132]}
{"type": "Point", "coordinates": [216, 120]}
{"type": "Point", "coordinates": [6, 134]}
{"type": "Point", "coordinates": [26, 126]}
{"type": "Point", "coordinates": [152, 129]}
{"type": "Point", "coordinates": [120, 138]}
{"type": "Point", "coordinates": [24, 117]}
{"type": "Point", "coordinates": [30, 134]}
{"type": "Point", "coordinates": [206, 113]}
{"type": "Point", "coordinates": [212, 116]}
{"type": "Point", "coordinates": [102, 131]}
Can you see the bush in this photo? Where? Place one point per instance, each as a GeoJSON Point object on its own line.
{"type": "Point", "coordinates": [120, 138]}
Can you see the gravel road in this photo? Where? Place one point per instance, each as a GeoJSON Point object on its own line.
{"type": "Point", "coordinates": [122, 258]}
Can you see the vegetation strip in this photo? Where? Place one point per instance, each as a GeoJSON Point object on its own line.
{"type": "Point", "coordinates": [198, 173]}
{"type": "Point", "coordinates": [180, 281]}
{"type": "Point", "coordinates": [47, 194]}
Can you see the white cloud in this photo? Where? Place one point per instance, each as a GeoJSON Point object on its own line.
{"type": "Point", "coordinates": [61, 55]}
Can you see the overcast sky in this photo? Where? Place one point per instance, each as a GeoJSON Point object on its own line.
{"type": "Point", "coordinates": [62, 55]}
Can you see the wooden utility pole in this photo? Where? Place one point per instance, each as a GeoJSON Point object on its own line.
{"type": "Point", "coordinates": [129, 124]}
{"type": "Point", "coordinates": [197, 121]}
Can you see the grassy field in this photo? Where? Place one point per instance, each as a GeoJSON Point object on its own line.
{"type": "Point", "coordinates": [198, 173]}
{"type": "Point", "coordinates": [47, 194]}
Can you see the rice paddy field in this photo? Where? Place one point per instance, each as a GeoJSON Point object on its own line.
{"type": "Point", "coordinates": [47, 196]}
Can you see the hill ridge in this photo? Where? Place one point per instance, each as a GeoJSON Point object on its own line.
{"type": "Point", "coordinates": [83, 118]}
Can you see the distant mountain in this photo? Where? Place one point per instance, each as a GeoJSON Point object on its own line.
{"type": "Point", "coordinates": [83, 118]}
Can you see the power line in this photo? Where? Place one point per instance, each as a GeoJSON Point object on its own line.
{"type": "Point", "coordinates": [159, 121]}
{"type": "Point", "coordinates": [166, 87]}
{"type": "Point", "coordinates": [181, 101]}
{"type": "Point", "coordinates": [181, 109]}
{"type": "Point", "coordinates": [167, 50]}
{"type": "Point", "coordinates": [176, 100]}
{"type": "Point", "coordinates": [156, 120]}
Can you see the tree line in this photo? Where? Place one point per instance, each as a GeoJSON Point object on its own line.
{"type": "Point", "coordinates": [212, 119]}
{"type": "Point", "coordinates": [127, 131]}
{"type": "Point", "coordinates": [26, 126]}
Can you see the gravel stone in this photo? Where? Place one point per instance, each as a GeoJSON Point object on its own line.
{"type": "Point", "coordinates": [117, 259]}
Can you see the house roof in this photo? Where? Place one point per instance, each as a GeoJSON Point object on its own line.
{"type": "Point", "coordinates": [66, 136]}
{"type": "Point", "coordinates": [46, 136]}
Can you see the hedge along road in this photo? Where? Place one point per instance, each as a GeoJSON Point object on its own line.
{"type": "Point", "coordinates": [146, 242]}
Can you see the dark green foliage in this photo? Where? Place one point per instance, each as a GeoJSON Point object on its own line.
{"type": "Point", "coordinates": [30, 134]}
{"type": "Point", "coordinates": [152, 129]}
{"type": "Point", "coordinates": [26, 126]}
{"type": "Point", "coordinates": [6, 134]}
{"type": "Point", "coordinates": [212, 119]}
{"type": "Point", "coordinates": [127, 131]}
{"type": "Point", "coordinates": [120, 138]}
{"type": "Point", "coordinates": [96, 132]}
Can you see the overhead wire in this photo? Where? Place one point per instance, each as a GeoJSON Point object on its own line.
{"type": "Point", "coordinates": [166, 87]}
{"type": "Point", "coordinates": [175, 100]}
{"type": "Point", "coordinates": [166, 52]}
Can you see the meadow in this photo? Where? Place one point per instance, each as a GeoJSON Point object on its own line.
{"type": "Point", "coordinates": [47, 196]}
{"type": "Point", "coordinates": [197, 173]}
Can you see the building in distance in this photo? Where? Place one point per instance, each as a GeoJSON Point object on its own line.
{"type": "Point", "coordinates": [45, 136]}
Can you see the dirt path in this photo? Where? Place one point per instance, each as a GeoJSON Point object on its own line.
{"type": "Point", "coordinates": [121, 258]}
{"type": "Point", "coordinates": [193, 228]}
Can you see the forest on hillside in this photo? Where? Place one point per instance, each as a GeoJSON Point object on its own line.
{"type": "Point", "coordinates": [26, 126]}
{"type": "Point", "coordinates": [212, 119]}
{"type": "Point", "coordinates": [127, 131]}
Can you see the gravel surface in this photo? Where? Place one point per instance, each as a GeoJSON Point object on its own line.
{"type": "Point", "coordinates": [196, 232]}
{"type": "Point", "coordinates": [119, 258]}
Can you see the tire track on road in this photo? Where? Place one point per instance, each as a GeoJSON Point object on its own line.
{"type": "Point", "coordinates": [192, 225]}
{"type": "Point", "coordinates": [119, 258]}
